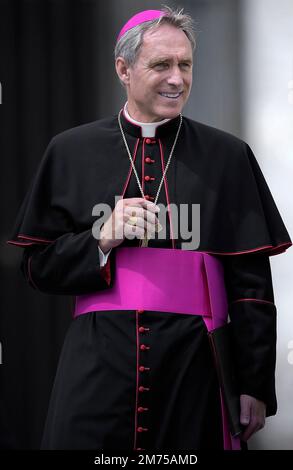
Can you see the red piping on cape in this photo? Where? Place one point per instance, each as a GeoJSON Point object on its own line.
{"type": "Point", "coordinates": [167, 194]}
{"type": "Point", "coordinates": [130, 169]}
{"type": "Point", "coordinates": [10, 242]}
{"type": "Point", "coordinates": [31, 240]}
{"type": "Point", "coordinates": [266, 248]}
{"type": "Point", "coordinates": [270, 249]}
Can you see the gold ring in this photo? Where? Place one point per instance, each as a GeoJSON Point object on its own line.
{"type": "Point", "coordinates": [158, 227]}
{"type": "Point", "coordinates": [132, 220]}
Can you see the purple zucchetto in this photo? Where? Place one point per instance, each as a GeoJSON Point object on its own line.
{"type": "Point", "coordinates": [141, 17]}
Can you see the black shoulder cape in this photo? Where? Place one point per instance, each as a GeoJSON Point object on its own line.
{"type": "Point", "coordinates": [88, 165]}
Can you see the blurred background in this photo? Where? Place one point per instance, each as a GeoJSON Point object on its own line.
{"type": "Point", "coordinates": [56, 72]}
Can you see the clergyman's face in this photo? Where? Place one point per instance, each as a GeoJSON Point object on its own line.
{"type": "Point", "coordinates": [159, 83]}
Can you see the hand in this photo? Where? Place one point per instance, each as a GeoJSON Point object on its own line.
{"type": "Point", "coordinates": [252, 415]}
{"type": "Point", "coordinates": [117, 227]}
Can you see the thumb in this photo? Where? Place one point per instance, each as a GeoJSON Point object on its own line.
{"type": "Point", "coordinates": [245, 410]}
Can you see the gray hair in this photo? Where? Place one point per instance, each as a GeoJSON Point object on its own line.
{"type": "Point", "coordinates": [130, 43]}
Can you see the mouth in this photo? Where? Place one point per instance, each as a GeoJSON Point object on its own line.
{"type": "Point", "coordinates": [172, 96]}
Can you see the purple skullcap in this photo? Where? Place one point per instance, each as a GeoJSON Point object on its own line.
{"type": "Point", "coordinates": [141, 17]}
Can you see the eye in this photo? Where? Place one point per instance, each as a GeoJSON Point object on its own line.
{"type": "Point", "coordinates": [185, 65]}
{"type": "Point", "coordinates": [161, 66]}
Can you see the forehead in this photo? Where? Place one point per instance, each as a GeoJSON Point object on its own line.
{"type": "Point", "coordinates": [165, 40]}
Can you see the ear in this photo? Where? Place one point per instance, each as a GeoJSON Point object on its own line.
{"type": "Point", "coordinates": [122, 70]}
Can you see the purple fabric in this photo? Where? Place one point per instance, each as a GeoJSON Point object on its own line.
{"type": "Point", "coordinates": [167, 280]}
{"type": "Point", "coordinates": [146, 15]}
{"type": "Point", "coordinates": [164, 280]}
{"type": "Point", "coordinates": [219, 309]}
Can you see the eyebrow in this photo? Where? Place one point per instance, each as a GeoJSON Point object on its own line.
{"type": "Point", "coordinates": [167, 59]}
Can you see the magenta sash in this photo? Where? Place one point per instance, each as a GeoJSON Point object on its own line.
{"type": "Point", "coordinates": [166, 280]}
{"type": "Point", "coordinates": [163, 280]}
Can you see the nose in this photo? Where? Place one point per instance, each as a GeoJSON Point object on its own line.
{"type": "Point", "coordinates": [175, 77]}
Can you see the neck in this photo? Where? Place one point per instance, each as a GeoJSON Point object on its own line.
{"type": "Point", "coordinates": [148, 129]}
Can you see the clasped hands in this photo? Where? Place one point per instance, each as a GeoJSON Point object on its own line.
{"type": "Point", "coordinates": [130, 215]}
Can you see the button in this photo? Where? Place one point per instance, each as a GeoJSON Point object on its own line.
{"type": "Point", "coordinates": [142, 329]}
{"type": "Point", "coordinates": [149, 178]}
{"type": "Point", "coordinates": [140, 409]}
{"type": "Point", "coordinates": [149, 160]}
{"type": "Point", "coordinates": [143, 389]}
{"type": "Point", "coordinates": [141, 368]}
{"type": "Point", "coordinates": [140, 311]}
{"type": "Point", "coordinates": [140, 429]}
{"type": "Point", "coordinates": [150, 141]}
{"type": "Point", "coordinates": [149, 198]}
{"type": "Point", "coordinates": [143, 347]}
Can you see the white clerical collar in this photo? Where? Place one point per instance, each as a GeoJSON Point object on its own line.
{"type": "Point", "coordinates": [148, 129]}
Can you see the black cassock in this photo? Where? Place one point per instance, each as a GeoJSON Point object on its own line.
{"type": "Point", "coordinates": [102, 368]}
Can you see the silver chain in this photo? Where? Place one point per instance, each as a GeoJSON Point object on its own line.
{"type": "Point", "coordinates": [132, 163]}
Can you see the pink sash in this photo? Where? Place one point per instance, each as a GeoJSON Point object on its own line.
{"type": "Point", "coordinates": [166, 280]}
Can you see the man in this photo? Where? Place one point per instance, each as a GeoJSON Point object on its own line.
{"type": "Point", "coordinates": [136, 370]}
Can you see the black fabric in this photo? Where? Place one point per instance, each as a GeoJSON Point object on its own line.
{"type": "Point", "coordinates": [68, 266]}
{"type": "Point", "coordinates": [240, 224]}
{"type": "Point", "coordinates": [210, 168]}
{"type": "Point", "coordinates": [50, 72]}
{"type": "Point", "coordinates": [253, 320]}
{"type": "Point", "coordinates": [94, 397]}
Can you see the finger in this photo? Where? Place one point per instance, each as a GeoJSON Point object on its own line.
{"type": "Point", "coordinates": [142, 223]}
{"type": "Point", "coordinates": [133, 231]}
{"type": "Point", "coordinates": [133, 211]}
{"type": "Point", "coordinates": [251, 429]}
{"type": "Point", "coordinates": [150, 216]}
{"type": "Point", "coordinates": [245, 410]}
{"type": "Point", "coordinates": [141, 202]}
{"type": "Point", "coordinates": [150, 206]}
{"type": "Point", "coordinates": [247, 433]}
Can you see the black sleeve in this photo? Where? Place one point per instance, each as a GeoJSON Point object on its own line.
{"type": "Point", "coordinates": [69, 265]}
{"type": "Point", "coordinates": [253, 319]}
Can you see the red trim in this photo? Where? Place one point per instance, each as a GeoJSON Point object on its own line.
{"type": "Point", "coordinates": [130, 169]}
{"type": "Point", "coordinates": [267, 248]}
{"type": "Point", "coordinates": [278, 249]}
{"type": "Point", "coordinates": [252, 300]}
{"type": "Point", "coordinates": [41, 240]}
{"type": "Point", "coordinates": [31, 241]}
{"type": "Point", "coordinates": [10, 242]}
{"type": "Point", "coordinates": [167, 194]}
{"type": "Point", "coordinates": [137, 379]}
{"type": "Point", "coordinates": [30, 273]}
{"type": "Point", "coordinates": [142, 165]}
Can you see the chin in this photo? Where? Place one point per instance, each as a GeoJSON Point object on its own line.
{"type": "Point", "coordinates": [172, 113]}
{"type": "Point", "coordinates": [167, 112]}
